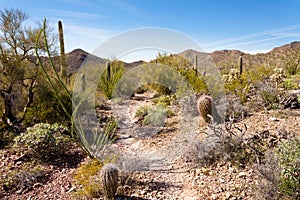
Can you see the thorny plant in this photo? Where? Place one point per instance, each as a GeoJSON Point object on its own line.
{"type": "Point", "coordinates": [76, 130]}
{"type": "Point", "coordinates": [234, 145]}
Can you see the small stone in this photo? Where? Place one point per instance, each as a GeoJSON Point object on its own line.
{"type": "Point", "coordinates": [273, 119]}
{"type": "Point", "coordinates": [227, 195]}
{"type": "Point", "coordinates": [242, 175]}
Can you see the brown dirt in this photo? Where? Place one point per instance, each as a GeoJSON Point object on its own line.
{"type": "Point", "coordinates": [181, 179]}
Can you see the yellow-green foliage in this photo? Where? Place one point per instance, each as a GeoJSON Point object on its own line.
{"type": "Point", "coordinates": [165, 100]}
{"type": "Point", "coordinates": [83, 177]}
{"type": "Point", "coordinates": [185, 69]}
{"type": "Point", "coordinates": [44, 141]}
{"type": "Point", "coordinates": [197, 82]}
{"type": "Point", "coordinates": [250, 76]}
{"type": "Point", "coordinates": [289, 161]}
{"type": "Point", "coordinates": [109, 81]}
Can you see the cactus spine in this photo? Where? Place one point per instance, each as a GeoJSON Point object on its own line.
{"type": "Point", "coordinates": [109, 180]}
{"type": "Point", "coordinates": [63, 70]}
{"type": "Point", "coordinates": [241, 64]}
{"type": "Point", "coordinates": [204, 106]}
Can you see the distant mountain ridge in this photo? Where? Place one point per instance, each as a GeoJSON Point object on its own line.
{"type": "Point", "coordinates": [222, 58]}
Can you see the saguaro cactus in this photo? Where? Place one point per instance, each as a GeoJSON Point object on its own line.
{"type": "Point", "coordinates": [109, 180]}
{"type": "Point", "coordinates": [195, 66]}
{"type": "Point", "coordinates": [63, 70]}
{"type": "Point", "coordinates": [241, 64]}
{"type": "Point", "coordinates": [204, 106]}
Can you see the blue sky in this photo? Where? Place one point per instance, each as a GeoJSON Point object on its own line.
{"type": "Point", "coordinates": [251, 26]}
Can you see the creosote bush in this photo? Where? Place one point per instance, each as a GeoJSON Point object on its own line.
{"type": "Point", "coordinates": [43, 141]}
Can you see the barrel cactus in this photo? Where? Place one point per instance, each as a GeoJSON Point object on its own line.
{"type": "Point", "coordinates": [109, 180]}
{"type": "Point", "coordinates": [204, 106]}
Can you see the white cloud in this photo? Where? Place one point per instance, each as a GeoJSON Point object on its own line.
{"type": "Point", "coordinates": [74, 14]}
{"type": "Point", "coordinates": [274, 32]}
{"type": "Point", "coordinates": [92, 33]}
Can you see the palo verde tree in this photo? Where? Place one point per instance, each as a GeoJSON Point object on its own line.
{"type": "Point", "coordinates": [18, 66]}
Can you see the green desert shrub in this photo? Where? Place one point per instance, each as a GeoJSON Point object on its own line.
{"type": "Point", "coordinates": [291, 66]}
{"type": "Point", "coordinates": [22, 180]}
{"type": "Point", "coordinates": [195, 80]}
{"type": "Point", "coordinates": [154, 115]}
{"type": "Point", "coordinates": [290, 84]}
{"type": "Point", "coordinates": [86, 177]}
{"type": "Point", "coordinates": [289, 161]}
{"type": "Point", "coordinates": [46, 109]}
{"type": "Point", "coordinates": [280, 172]}
{"type": "Point", "coordinates": [165, 100]}
{"type": "Point", "coordinates": [82, 176]}
{"type": "Point", "coordinates": [43, 141]}
{"type": "Point", "coordinates": [111, 77]}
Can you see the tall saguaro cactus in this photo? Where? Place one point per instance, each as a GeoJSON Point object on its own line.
{"type": "Point", "coordinates": [63, 70]}
{"type": "Point", "coordinates": [241, 64]}
{"type": "Point", "coordinates": [195, 66]}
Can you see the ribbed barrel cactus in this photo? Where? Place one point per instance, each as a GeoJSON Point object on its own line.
{"type": "Point", "coordinates": [204, 106]}
{"type": "Point", "coordinates": [109, 180]}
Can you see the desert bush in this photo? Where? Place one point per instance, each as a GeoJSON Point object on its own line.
{"type": "Point", "coordinates": [281, 172]}
{"type": "Point", "coordinates": [47, 109]}
{"type": "Point", "coordinates": [196, 81]}
{"type": "Point", "coordinates": [43, 141]}
{"type": "Point", "coordinates": [142, 112]}
{"type": "Point", "coordinates": [83, 176]}
{"type": "Point", "coordinates": [154, 115]}
{"type": "Point", "coordinates": [23, 180]}
{"type": "Point", "coordinates": [291, 66]}
{"type": "Point", "coordinates": [229, 143]}
{"type": "Point", "coordinates": [165, 100]}
{"type": "Point", "coordinates": [6, 137]}
{"type": "Point", "coordinates": [111, 77]}
{"type": "Point", "coordinates": [160, 89]}
{"type": "Point", "coordinates": [290, 84]}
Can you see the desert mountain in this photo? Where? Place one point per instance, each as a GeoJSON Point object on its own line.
{"type": "Point", "coordinates": [223, 58]}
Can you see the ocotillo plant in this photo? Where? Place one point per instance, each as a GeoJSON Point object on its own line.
{"type": "Point", "coordinates": [63, 70]}
{"type": "Point", "coordinates": [109, 180]}
{"type": "Point", "coordinates": [77, 132]}
{"type": "Point", "coordinates": [241, 64]}
{"type": "Point", "coordinates": [204, 106]}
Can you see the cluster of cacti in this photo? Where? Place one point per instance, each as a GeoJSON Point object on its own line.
{"type": "Point", "coordinates": [234, 74]}
{"type": "Point", "coordinates": [63, 70]}
{"type": "Point", "coordinates": [204, 106]}
{"type": "Point", "coordinates": [109, 180]}
{"type": "Point", "coordinates": [277, 76]}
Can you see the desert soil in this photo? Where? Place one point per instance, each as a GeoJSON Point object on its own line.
{"type": "Point", "coordinates": [179, 178]}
